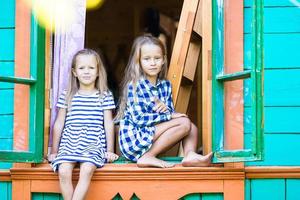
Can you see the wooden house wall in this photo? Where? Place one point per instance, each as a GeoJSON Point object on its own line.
{"type": "Point", "coordinates": [281, 82]}
{"type": "Point", "coordinates": [7, 44]}
{"type": "Point", "coordinates": [282, 99]}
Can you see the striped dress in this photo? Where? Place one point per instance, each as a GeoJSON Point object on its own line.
{"type": "Point", "coordinates": [137, 128]}
{"type": "Point", "coordinates": [83, 138]}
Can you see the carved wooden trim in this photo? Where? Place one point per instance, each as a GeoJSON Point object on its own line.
{"type": "Point", "coordinates": [272, 172]}
{"type": "Point", "coordinates": [128, 179]}
{"type": "Point", "coordinates": [5, 176]}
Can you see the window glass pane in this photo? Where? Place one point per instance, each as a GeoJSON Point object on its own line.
{"type": "Point", "coordinates": [14, 116]}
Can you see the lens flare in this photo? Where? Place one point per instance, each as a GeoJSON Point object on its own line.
{"type": "Point", "coordinates": [59, 14]}
{"type": "Point", "coordinates": [94, 4]}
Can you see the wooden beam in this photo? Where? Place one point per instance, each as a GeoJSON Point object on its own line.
{"type": "Point", "coordinates": [22, 69]}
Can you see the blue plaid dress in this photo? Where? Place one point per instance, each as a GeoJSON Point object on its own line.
{"type": "Point", "coordinates": [137, 128]}
{"type": "Point", "coordinates": [83, 138]}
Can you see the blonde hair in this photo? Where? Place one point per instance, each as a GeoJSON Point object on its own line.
{"type": "Point", "coordinates": [134, 71]}
{"type": "Point", "coordinates": [101, 80]}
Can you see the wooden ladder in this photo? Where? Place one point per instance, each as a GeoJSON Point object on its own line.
{"type": "Point", "coordinates": [185, 57]}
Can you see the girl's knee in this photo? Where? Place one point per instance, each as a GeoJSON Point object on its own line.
{"type": "Point", "coordinates": [185, 123]}
{"type": "Point", "coordinates": [87, 169]}
{"type": "Point", "coordinates": [65, 171]}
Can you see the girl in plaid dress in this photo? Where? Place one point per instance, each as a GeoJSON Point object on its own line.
{"type": "Point", "coordinates": [83, 131]}
{"type": "Point", "coordinates": [148, 123]}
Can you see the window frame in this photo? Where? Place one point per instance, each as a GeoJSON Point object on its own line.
{"type": "Point", "coordinates": [218, 80]}
{"type": "Point", "coordinates": [36, 82]}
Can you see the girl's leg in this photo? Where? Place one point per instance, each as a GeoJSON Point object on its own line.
{"type": "Point", "coordinates": [86, 172]}
{"type": "Point", "coordinates": [191, 158]}
{"type": "Point", "coordinates": [166, 135]}
{"type": "Point", "coordinates": [65, 179]}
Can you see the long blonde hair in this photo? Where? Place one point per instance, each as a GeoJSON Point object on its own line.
{"type": "Point", "coordinates": [101, 80]}
{"type": "Point", "coordinates": [134, 71]}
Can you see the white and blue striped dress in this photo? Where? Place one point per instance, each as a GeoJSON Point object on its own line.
{"type": "Point", "coordinates": [83, 138]}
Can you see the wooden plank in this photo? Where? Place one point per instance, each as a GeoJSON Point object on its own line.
{"type": "Point", "coordinates": [6, 124]}
{"type": "Point", "coordinates": [282, 87]}
{"type": "Point", "coordinates": [276, 20]}
{"type": "Point", "coordinates": [277, 120]}
{"type": "Point", "coordinates": [6, 143]}
{"type": "Point", "coordinates": [272, 3]}
{"type": "Point", "coordinates": [233, 63]}
{"type": "Point", "coordinates": [7, 17]}
{"type": "Point", "coordinates": [181, 45]}
{"type": "Point", "coordinates": [6, 69]}
{"type": "Point", "coordinates": [198, 25]}
{"type": "Point", "coordinates": [248, 189]}
{"type": "Point", "coordinates": [48, 58]}
{"type": "Point", "coordinates": [292, 189]}
{"type": "Point", "coordinates": [21, 190]}
{"type": "Point", "coordinates": [191, 62]}
{"type": "Point", "coordinates": [6, 98]}
{"type": "Point", "coordinates": [144, 189]}
{"type": "Point", "coordinates": [22, 69]}
{"type": "Point", "coordinates": [271, 172]}
{"type": "Point", "coordinates": [288, 142]}
{"type": "Point", "coordinates": [206, 13]}
{"type": "Point", "coordinates": [4, 190]}
{"type": "Point", "coordinates": [7, 44]}
{"type": "Point", "coordinates": [234, 189]}
{"type": "Point", "coordinates": [268, 189]}
{"type": "Point", "coordinates": [284, 57]}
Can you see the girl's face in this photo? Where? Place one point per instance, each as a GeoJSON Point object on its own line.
{"type": "Point", "coordinates": [152, 60]}
{"type": "Point", "coordinates": [86, 70]}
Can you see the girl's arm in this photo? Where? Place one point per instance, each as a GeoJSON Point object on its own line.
{"type": "Point", "coordinates": [109, 130]}
{"type": "Point", "coordinates": [141, 114]}
{"type": "Point", "coordinates": [110, 136]}
{"type": "Point", "coordinates": [57, 130]}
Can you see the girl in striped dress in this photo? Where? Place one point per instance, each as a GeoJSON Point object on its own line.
{"type": "Point", "coordinates": [149, 124]}
{"type": "Point", "coordinates": [83, 130]}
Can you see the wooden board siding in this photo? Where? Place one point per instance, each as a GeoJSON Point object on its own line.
{"type": "Point", "coordinates": [275, 189]}
{"type": "Point", "coordinates": [5, 190]}
{"type": "Point", "coordinates": [7, 44]}
{"type": "Point", "coordinates": [281, 81]}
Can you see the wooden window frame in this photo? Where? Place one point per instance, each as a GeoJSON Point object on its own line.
{"type": "Point", "coordinates": [219, 78]}
{"type": "Point", "coordinates": [33, 47]}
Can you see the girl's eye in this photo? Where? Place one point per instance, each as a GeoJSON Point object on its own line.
{"type": "Point", "coordinates": [91, 67]}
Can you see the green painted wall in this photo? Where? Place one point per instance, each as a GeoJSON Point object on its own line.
{"type": "Point", "coordinates": [7, 56]}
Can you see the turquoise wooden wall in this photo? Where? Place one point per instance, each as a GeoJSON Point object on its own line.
{"type": "Point", "coordinates": [275, 189]}
{"type": "Point", "coordinates": [281, 81]}
{"type": "Point", "coordinates": [7, 56]}
{"type": "Point", "coordinates": [5, 190]}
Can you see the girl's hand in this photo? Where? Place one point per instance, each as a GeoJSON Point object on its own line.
{"type": "Point", "coordinates": [160, 106]}
{"type": "Point", "coordinates": [51, 157]}
{"type": "Point", "coordinates": [177, 115]}
{"type": "Point", "coordinates": [111, 157]}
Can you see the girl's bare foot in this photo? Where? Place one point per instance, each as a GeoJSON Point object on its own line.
{"type": "Point", "coordinates": [193, 159]}
{"type": "Point", "coordinates": [151, 161]}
